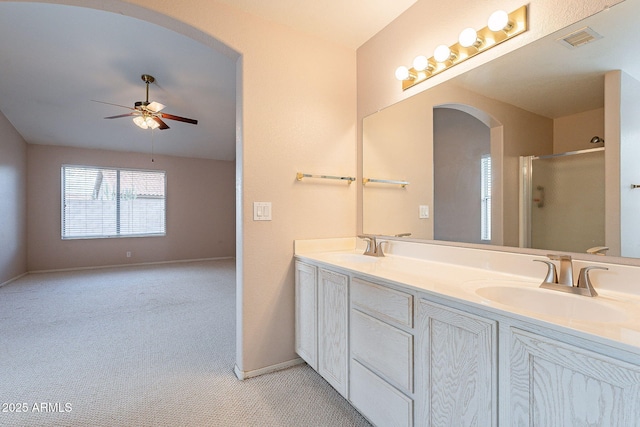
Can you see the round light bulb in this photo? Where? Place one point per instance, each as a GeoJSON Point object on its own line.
{"type": "Point", "coordinates": [468, 37]}
{"type": "Point", "coordinates": [442, 53]}
{"type": "Point", "coordinates": [420, 63]}
{"type": "Point", "coordinates": [498, 20]}
{"type": "Point", "coordinates": [402, 73]}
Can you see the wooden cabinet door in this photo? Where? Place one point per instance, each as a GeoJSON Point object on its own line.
{"type": "Point", "coordinates": [306, 309]}
{"type": "Point", "coordinates": [332, 328]}
{"type": "Point", "coordinates": [456, 364]}
{"type": "Point", "coordinates": [557, 384]}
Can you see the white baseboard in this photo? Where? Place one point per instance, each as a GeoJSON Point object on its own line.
{"type": "Point", "coordinates": [129, 265]}
{"type": "Point", "coordinates": [243, 375]}
{"type": "Point", "coordinates": [13, 280]}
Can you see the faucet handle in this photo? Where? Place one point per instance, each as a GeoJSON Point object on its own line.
{"type": "Point", "coordinates": [402, 235]}
{"type": "Point", "coordinates": [552, 276]}
{"type": "Point", "coordinates": [598, 250]}
{"type": "Point", "coordinates": [585, 282]}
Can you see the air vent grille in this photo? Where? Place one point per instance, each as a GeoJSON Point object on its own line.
{"type": "Point", "coordinates": [579, 38]}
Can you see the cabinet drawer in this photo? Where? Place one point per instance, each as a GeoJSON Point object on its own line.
{"type": "Point", "coordinates": [383, 302]}
{"type": "Point", "coordinates": [381, 403]}
{"type": "Point", "coordinates": [383, 348]}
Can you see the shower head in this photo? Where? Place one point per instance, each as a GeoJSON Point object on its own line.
{"type": "Point", "coordinates": [596, 140]}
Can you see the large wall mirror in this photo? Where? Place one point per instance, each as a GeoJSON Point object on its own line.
{"type": "Point", "coordinates": [539, 148]}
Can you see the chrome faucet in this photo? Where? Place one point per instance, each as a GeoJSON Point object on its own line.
{"type": "Point", "coordinates": [566, 268]}
{"type": "Point", "coordinates": [564, 282]}
{"type": "Point", "coordinates": [374, 248]}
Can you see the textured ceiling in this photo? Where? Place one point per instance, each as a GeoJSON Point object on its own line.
{"type": "Point", "coordinates": [552, 80]}
{"type": "Point", "coordinates": [56, 59]}
{"type": "Point", "coordinates": [348, 22]}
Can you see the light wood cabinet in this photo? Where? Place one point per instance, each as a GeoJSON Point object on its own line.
{"type": "Point", "coordinates": [412, 358]}
{"type": "Point", "coordinates": [321, 316]}
{"type": "Point", "coordinates": [306, 313]}
{"type": "Point", "coordinates": [389, 305]}
{"type": "Point", "coordinates": [384, 348]}
{"type": "Point", "coordinates": [383, 404]}
{"type": "Point", "coordinates": [332, 328]}
{"type": "Point", "coordinates": [556, 384]}
{"type": "Point", "coordinates": [456, 366]}
{"type": "Point", "coordinates": [381, 345]}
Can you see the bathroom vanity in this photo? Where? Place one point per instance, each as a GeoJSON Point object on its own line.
{"type": "Point", "coordinates": [440, 335]}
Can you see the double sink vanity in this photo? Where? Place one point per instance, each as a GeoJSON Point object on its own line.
{"type": "Point", "coordinates": [441, 335]}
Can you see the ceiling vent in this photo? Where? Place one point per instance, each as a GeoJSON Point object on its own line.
{"type": "Point", "coordinates": [579, 38]}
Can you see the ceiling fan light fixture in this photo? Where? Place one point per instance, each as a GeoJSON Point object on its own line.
{"type": "Point", "coordinates": [146, 122]}
{"type": "Point", "coordinates": [146, 115]}
{"type": "Point", "coordinates": [151, 123]}
{"type": "Point", "coordinates": [140, 122]}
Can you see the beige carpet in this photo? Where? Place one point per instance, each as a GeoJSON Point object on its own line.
{"type": "Point", "coordinates": [143, 346]}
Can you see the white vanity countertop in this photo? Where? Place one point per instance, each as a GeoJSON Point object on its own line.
{"type": "Point", "coordinates": [460, 282]}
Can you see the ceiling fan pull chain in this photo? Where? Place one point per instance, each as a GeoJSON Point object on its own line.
{"type": "Point", "coordinates": [152, 139]}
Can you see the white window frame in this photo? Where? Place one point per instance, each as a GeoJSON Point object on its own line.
{"type": "Point", "coordinates": [485, 197]}
{"type": "Point", "coordinates": [118, 233]}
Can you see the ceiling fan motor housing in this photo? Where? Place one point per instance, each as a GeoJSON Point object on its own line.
{"type": "Point", "coordinates": [147, 78]}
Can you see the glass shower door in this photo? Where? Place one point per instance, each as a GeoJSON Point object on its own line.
{"type": "Point", "coordinates": [563, 196]}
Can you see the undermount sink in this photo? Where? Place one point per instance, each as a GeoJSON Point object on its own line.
{"type": "Point", "coordinates": [353, 258]}
{"type": "Point", "coordinates": [553, 303]}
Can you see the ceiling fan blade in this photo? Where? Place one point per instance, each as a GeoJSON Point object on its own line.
{"type": "Point", "coordinates": [155, 106]}
{"type": "Point", "coordinates": [162, 124]}
{"type": "Point", "coordinates": [117, 105]}
{"type": "Point", "coordinates": [178, 118]}
{"type": "Point", "coordinates": [121, 115]}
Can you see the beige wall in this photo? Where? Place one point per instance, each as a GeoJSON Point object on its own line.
{"type": "Point", "coordinates": [13, 202]}
{"type": "Point", "coordinates": [200, 211]}
{"type": "Point", "coordinates": [571, 133]}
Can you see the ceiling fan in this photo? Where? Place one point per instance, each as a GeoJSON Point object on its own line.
{"type": "Point", "coordinates": [148, 115]}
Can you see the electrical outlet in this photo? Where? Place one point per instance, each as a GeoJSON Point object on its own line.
{"type": "Point", "coordinates": [128, 254]}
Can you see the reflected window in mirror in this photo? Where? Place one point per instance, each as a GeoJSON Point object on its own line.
{"type": "Point", "coordinates": [485, 198]}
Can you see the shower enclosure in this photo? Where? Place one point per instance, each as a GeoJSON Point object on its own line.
{"type": "Point", "coordinates": [562, 201]}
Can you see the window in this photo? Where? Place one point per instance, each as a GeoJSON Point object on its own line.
{"type": "Point", "coordinates": [485, 197]}
{"type": "Point", "coordinates": [108, 202]}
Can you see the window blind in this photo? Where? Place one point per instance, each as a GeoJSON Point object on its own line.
{"type": "Point", "coordinates": [485, 197]}
{"type": "Point", "coordinates": [112, 202]}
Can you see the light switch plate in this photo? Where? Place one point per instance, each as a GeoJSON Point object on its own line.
{"type": "Point", "coordinates": [424, 211]}
{"type": "Point", "coordinates": [262, 211]}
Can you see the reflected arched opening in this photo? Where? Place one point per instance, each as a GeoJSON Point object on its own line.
{"type": "Point", "coordinates": [467, 152]}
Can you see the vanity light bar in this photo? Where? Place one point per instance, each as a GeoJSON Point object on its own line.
{"type": "Point", "coordinates": [501, 27]}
